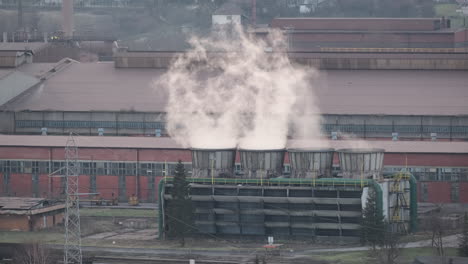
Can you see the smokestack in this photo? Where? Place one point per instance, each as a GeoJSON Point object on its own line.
{"type": "Point", "coordinates": [262, 164]}
{"type": "Point", "coordinates": [216, 163]}
{"type": "Point", "coordinates": [361, 163]}
{"type": "Point", "coordinates": [311, 163]}
{"type": "Point", "coordinates": [254, 13]}
{"type": "Point", "coordinates": [67, 23]}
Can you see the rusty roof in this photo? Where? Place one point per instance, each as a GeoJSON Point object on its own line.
{"type": "Point", "coordinates": [20, 203]}
{"type": "Point", "coordinates": [101, 87]}
{"type": "Point", "coordinates": [168, 143]}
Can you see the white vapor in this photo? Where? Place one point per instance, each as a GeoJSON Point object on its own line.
{"type": "Point", "coordinates": [233, 90]}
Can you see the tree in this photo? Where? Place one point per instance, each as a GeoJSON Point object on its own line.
{"type": "Point", "coordinates": [32, 253]}
{"type": "Point", "coordinates": [463, 239]}
{"type": "Point", "coordinates": [438, 231]}
{"type": "Point", "coordinates": [372, 223]}
{"type": "Point", "coordinates": [180, 208]}
{"type": "Point", "coordinates": [390, 248]}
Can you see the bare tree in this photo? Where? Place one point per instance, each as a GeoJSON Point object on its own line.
{"type": "Point", "coordinates": [390, 249]}
{"type": "Point", "coordinates": [438, 231]}
{"type": "Point", "coordinates": [33, 253]}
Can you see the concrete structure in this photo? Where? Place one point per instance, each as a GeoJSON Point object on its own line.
{"type": "Point", "coordinates": [266, 203]}
{"type": "Point", "coordinates": [29, 214]}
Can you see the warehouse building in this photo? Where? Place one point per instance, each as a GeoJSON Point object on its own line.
{"type": "Point", "coordinates": [123, 166]}
{"type": "Point", "coordinates": [312, 34]}
{"type": "Point", "coordinates": [29, 214]}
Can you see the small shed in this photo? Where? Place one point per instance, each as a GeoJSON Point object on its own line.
{"type": "Point", "coordinates": [29, 214]}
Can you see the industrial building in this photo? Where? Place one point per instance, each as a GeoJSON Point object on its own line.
{"type": "Point", "coordinates": [409, 101]}
{"type": "Point", "coordinates": [29, 214]}
{"type": "Point", "coordinates": [315, 34]}
{"type": "Point", "coordinates": [123, 166]}
{"type": "Point", "coordinates": [263, 200]}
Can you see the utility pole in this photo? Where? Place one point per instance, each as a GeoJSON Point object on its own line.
{"type": "Point", "coordinates": [72, 250]}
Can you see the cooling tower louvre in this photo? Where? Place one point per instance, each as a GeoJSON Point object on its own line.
{"type": "Point", "coordinates": [361, 162]}
{"type": "Point", "coordinates": [207, 163]}
{"type": "Point", "coordinates": [263, 164]}
{"type": "Point", "coordinates": [311, 163]}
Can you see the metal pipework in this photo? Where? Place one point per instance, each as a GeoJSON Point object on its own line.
{"type": "Point", "coordinates": [359, 163]}
{"type": "Point", "coordinates": [217, 163]}
{"type": "Point", "coordinates": [262, 164]}
{"type": "Point", "coordinates": [311, 163]}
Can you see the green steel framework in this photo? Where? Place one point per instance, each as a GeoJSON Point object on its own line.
{"type": "Point", "coordinates": [297, 182]}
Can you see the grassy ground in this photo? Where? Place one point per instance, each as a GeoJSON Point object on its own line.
{"type": "Point", "coordinates": [449, 11]}
{"type": "Point", "coordinates": [118, 212]}
{"type": "Point", "coordinates": [360, 257]}
{"type": "Point", "coordinates": [47, 236]}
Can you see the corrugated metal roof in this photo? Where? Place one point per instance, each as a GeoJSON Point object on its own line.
{"type": "Point", "coordinates": [15, 83]}
{"type": "Point", "coordinates": [22, 46]}
{"type": "Point", "coordinates": [100, 86]}
{"type": "Point", "coordinates": [168, 143]}
{"type": "Point", "coordinates": [20, 203]}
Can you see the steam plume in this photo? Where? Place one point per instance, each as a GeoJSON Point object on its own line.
{"type": "Point", "coordinates": [231, 90]}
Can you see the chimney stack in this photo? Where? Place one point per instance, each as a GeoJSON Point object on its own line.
{"type": "Point", "coordinates": [67, 23]}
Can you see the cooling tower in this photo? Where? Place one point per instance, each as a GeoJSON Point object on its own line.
{"type": "Point", "coordinates": [311, 163]}
{"type": "Point", "coordinates": [207, 163]}
{"type": "Point", "coordinates": [365, 163]}
{"type": "Point", "coordinates": [263, 164]}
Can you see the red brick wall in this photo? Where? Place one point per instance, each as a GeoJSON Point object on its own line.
{"type": "Point", "coordinates": [38, 153]}
{"type": "Point", "coordinates": [13, 223]}
{"type": "Point", "coordinates": [443, 160]}
{"type": "Point", "coordinates": [461, 36]}
{"type": "Point", "coordinates": [21, 184]}
{"type": "Point", "coordinates": [165, 155]}
{"type": "Point", "coordinates": [106, 185]}
{"type": "Point", "coordinates": [463, 192]}
{"type": "Point", "coordinates": [438, 192]}
{"type": "Point", "coordinates": [130, 186]}
{"type": "Point", "coordinates": [43, 185]}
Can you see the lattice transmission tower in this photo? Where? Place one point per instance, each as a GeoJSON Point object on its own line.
{"type": "Point", "coordinates": [72, 250]}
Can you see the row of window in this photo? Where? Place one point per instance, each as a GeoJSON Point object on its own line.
{"type": "Point", "coordinates": [454, 192]}
{"type": "Point", "coordinates": [433, 174]}
{"type": "Point", "coordinates": [161, 169]}
{"type": "Point", "coordinates": [89, 124]}
{"type": "Point", "coordinates": [327, 128]}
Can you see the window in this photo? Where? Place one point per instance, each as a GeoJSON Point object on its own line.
{"type": "Point", "coordinates": [424, 192]}
{"type": "Point", "coordinates": [455, 192]}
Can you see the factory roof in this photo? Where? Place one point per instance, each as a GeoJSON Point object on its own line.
{"type": "Point", "coordinates": [168, 143]}
{"type": "Point", "coordinates": [27, 206]}
{"type": "Point", "coordinates": [101, 87]}
{"type": "Point", "coordinates": [23, 46]}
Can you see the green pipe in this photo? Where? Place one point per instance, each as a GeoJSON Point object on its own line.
{"type": "Point", "coordinates": [379, 195]}
{"type": "Point", "coordinates": [413, 204]}
{"type": "Point", "coordinates": [160, 208]}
